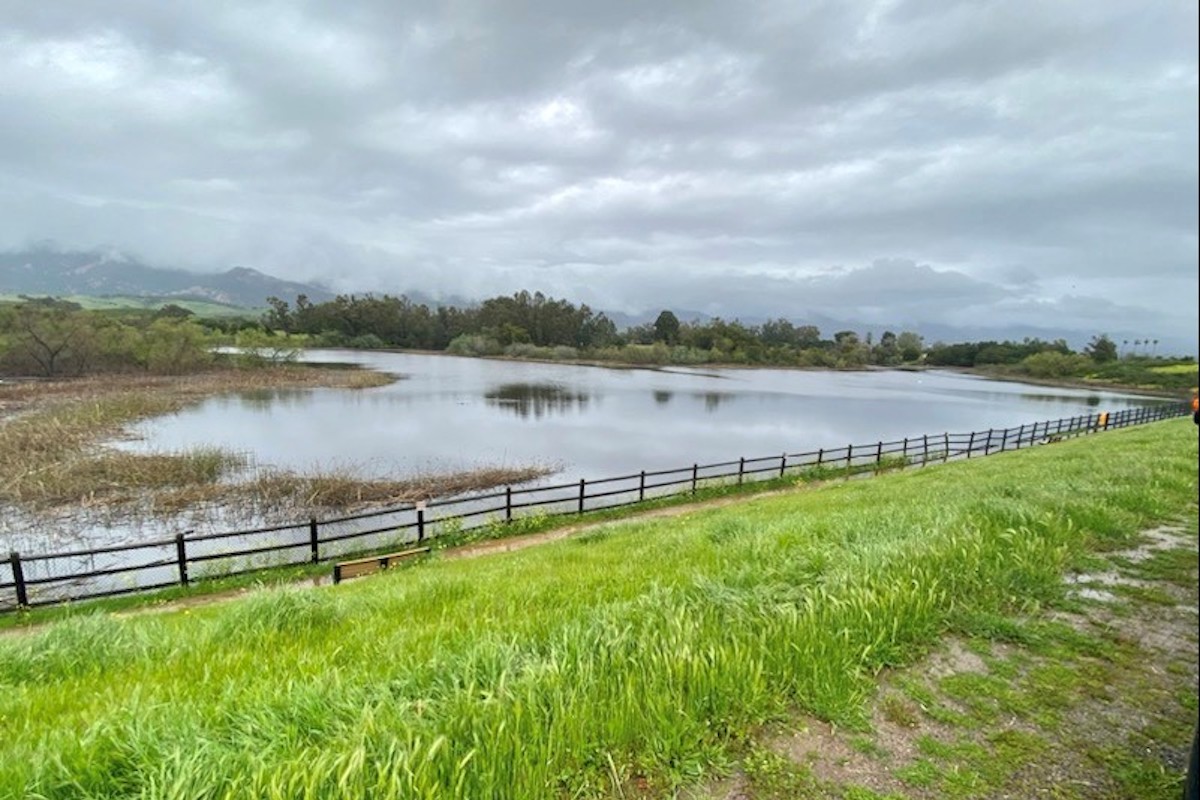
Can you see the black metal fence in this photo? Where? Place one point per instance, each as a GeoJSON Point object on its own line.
{"type": "Point", "coordinates": [49, 578]}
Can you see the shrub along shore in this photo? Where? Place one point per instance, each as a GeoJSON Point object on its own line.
{"type": "Point", "coordinates": [633, 659]}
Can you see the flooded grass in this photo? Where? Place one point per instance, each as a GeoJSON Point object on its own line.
{"type": "Point", "coordinates": [345, 490]}
{"type": "Point", "coordinates": [279, 490]}
{"type": "Point", "coordinates": [51, 453]}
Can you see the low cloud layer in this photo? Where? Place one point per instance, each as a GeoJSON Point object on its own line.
{"type": "Point", "coordinates": [1023, 162]}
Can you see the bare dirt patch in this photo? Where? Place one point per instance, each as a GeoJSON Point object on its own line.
{"type": "Point", "coordinates": [1098, 703]}
{"type": "Point", "coordinates": [953, 660]}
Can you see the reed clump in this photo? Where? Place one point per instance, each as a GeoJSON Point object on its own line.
{"type": "Point", "coordinates": [50, 438]}
{"type": "Point", "coordinates": [342, 490]}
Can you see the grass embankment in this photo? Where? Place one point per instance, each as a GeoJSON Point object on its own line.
{"type": "Point", "coordinates": [50, 454]}
{"type": "Point", "coordinates": [624, 662]}
{"type": "Point", "coordinates": [1141, 376]}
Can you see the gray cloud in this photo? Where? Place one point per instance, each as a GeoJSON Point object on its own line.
{"type": "Point", "coordinates": [1029, 162]}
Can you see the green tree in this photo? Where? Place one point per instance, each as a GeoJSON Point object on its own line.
{"type": "Point", "coordinates": [1101, 349]}
{"type": "Point", "coordinates": [51, 338]}
{"type": "Point", "coordinates": [910, 346]}
{"type": "Point", "coordinates": [666, 327]}
{"type": "Point", "coordinates": [172, 311]}
{"type": "Point", "coordinates": [279, 318]}
{"type": "Point", "coordinates": [262, 348]}
{"type": "Point", "coordinates": [887, 351]}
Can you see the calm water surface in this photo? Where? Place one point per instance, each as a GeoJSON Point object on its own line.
{"type": "Point", "coordinates": [452, 413]}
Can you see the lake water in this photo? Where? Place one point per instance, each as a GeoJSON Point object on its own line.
{"type": "Point", "coordinates": [451, 413]}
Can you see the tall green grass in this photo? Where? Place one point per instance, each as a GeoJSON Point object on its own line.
{"type": "Point", "coordinates": [639, 657]}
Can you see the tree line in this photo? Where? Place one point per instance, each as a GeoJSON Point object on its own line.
{"type": "Point", "coordinates": [48, 337]}
{"type": "Point", "coordinates": [533, 325]}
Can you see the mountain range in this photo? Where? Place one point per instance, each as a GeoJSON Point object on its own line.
{"type": "Point", "coordinates": [58, 273]}
{"type": "Point", "coordinates": [47, 270]}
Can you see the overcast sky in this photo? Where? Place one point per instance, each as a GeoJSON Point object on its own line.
{"type": "Point", "coordinates": [1018, 162]}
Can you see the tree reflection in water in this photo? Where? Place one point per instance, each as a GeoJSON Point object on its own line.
{"type": "Point", "coordinates": [536, 400]}
{"type": "Point", "coordinates": [712, 400]}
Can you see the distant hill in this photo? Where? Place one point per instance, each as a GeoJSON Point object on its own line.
{"type": "Point", "coordinates": [112, 302]}
{"type": "Point", "coordinates": [46, 271]}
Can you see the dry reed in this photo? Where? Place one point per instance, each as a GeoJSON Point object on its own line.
{"type": "Point", "coordinates": [50, 432]}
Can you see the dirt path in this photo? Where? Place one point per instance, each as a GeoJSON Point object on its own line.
{"type": "Point", "coordinates": [1091, 703]}
{"type": "Point", "coordinates": [514, 543]}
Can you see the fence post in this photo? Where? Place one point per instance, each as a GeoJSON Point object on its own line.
{"type": "Point", "coordinates": [181, 557]}
{"type": "Point", "coordinates": [420, 524]}
{"type": "Point", "coordinates": [1020, 433]}
{"type": "Point", "coordinates": [987, 447]}
{"type": "Point", "coordinates": [924, 449]}
{"type": "Point", "coordinates": [849, 459]}
{"type": "Point", "coordinates": [904, 452]}
{"type": "Point", "coordinates": [945, 447]}
{"type": "Point", "coordinates": [971, 444]}
{"type": "Point", "coordinates": [820, 455]}
{"type": "Point", "coordinates": [313, 540]}
{"type": "Point", "coordinates": [641, 486]}
{"type": "Point", "coordinates": [741, 469]}
{"type": "Point", "coordinates": [14, 561]}
{"type": "Point", "coordinates": [582, 493]}
{"type": "Point", "coordinates": [878, 457]}
{"type": "Point", "coordinates": [782, 464]}
{"type": "Point", "coordinates": [508, 504]}
{"type": "Point", "coordinates": [695, 471]}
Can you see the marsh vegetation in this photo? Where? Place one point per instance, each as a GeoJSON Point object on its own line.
{"type": "Point", "coordinates": [53, 451]}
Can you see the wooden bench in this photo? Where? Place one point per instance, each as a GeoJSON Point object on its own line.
{"type": "Point", "coordinates": [366, 566]}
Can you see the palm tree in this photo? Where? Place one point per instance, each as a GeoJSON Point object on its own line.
{"type": "Point", "coordinates": [1136, 344]}
{"type": "Point", "coordinates": [1156, 348]}
{"type": "Point", "coordinates": [1124, 344]}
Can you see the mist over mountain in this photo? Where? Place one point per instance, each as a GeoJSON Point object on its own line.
{"type": "Point", "coordinates": [48, 271]}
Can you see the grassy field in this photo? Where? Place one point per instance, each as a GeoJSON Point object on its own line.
{"type": "Point", "coordinates": [201, 308]}
{"type": "Point", "coordinates": [626, 662]}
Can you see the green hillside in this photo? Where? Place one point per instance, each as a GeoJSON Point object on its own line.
{"type": "Point", "coordinates": [201, 308]}
{"type": "Point", "coordinates": [625, 662]}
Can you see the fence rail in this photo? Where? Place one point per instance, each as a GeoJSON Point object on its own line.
{"type": "Point", "coordinates": [111, 570]}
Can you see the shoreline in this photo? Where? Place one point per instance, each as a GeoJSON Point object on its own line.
{"type": "Point", "coordinates": [1069, 383]}
{"type": "Point", "coordinates": [705, 369]}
